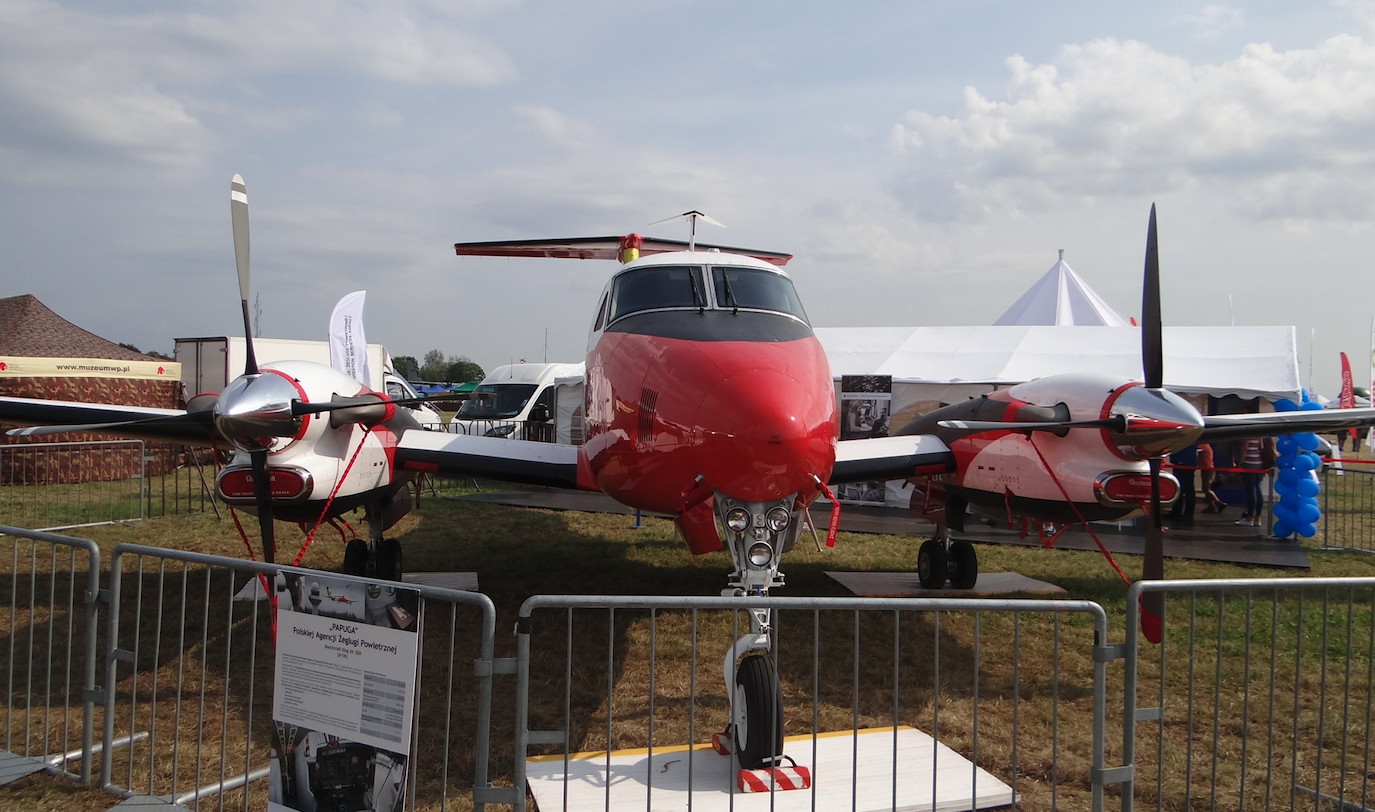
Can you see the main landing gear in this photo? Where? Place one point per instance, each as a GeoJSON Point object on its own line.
{"type": "Point", "coordinates": [757, 535]}
{"type": "Point", "coordinates": [942, 559]}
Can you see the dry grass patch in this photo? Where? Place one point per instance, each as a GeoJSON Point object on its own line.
{"type": "Point", "coordinates": [1014, 692]}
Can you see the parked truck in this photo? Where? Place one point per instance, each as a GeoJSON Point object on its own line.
{"type": "Point", "coordinates": [209, 363]}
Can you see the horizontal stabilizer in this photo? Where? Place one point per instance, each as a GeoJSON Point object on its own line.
{"type": "Point", "coordinates": [600, 248]}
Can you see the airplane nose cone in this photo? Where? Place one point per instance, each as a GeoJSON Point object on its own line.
{"type": "Point", "coordinates": [1158, 422]}
{"type": "Point", "coordinates": [255, 409]}
{"type": "Point", "coordinates": [767, 435]}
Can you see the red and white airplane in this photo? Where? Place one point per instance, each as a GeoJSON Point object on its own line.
{"type": "Point", "coordinates": [708, 398]}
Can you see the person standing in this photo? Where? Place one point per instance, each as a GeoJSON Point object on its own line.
{"type": "Point", "coordinates": [1253, 472]}
{"type": "Point", "coordinates": [1183, 465]}
{"type": "Point", "coordinates": [1207, 478]}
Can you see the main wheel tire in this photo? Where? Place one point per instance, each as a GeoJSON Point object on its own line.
{"type": "Point", "coordinates": [356, 558]}
{"type": "Point", "coordinates": [388, 560]}
{"type": "Point", "coordinates": [932, 567]}
{"type": "Point", "coordinates": [759, 713]}
{"type": "Point", "coordinates": [964, 565]}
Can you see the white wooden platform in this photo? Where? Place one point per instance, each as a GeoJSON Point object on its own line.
{"type": "Point", "coordinates": [840, 762]}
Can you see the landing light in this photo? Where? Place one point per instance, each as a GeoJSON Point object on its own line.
{"type": "Point", "coordinates": [760, 554]}
{"type": "Point", "coordinates": [737, 519]}
{"type": "Point", "coordinates": [778, 519]}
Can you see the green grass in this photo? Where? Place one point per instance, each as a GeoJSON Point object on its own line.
{"type": "Point", "coordinates": [51, 506]}
{"type": "Point", "coordinates": [1044, 689]}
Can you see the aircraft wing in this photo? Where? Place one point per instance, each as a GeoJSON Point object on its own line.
{"type": "Point", "coordinates": [57, 416]}
{"type": "Point", "coordinates": [1242, 426]}
{"type": "Point", "coordinates": [883, 458]}
{"type": "Point", "coordinates": [522, 461]}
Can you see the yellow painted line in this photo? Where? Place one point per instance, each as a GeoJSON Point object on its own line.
{"type": "Point", "coordinates": [683, 748]}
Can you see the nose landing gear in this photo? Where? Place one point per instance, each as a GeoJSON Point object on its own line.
{"type": "Point", "coordinates": [377, 557]}
{"type": "Point", "coordinates": [757, 534]}
{"type": "Point", "coordinates": [942, 559]}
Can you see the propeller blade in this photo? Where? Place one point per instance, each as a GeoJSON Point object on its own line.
{"type": "Point", "coordinates": [298, 408]}
{"type": "Point", "coordinates": [1152, 346]}
{"type": "Point", "coordinates": [190, 418]}
{"type": "Point", "coordinates": [1116, 423]}
{"type": "Point", "coordinates": [1153, 565]}
{"type": "Point", "coordinates": [262, 491]}
{"type": "Point", "coordinates": [238, 214]}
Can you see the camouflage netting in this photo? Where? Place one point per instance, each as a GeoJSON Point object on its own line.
{"type": "Point", "coordinates": [94, 463]}
{"type": "Point", "coordinates": [28, 328]}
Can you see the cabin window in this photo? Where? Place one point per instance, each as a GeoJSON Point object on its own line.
{"type": "Point", "coordinates": [656, 287]}
{"type": "Point", "coordinates": [756, 289]}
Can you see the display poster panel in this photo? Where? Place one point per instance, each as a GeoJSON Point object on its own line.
{"type": "Point", "coordinates": [344, 694]}
{"type": "Point", "coordinates": [866, 405]}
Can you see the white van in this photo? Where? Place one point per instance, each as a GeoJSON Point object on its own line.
{"type": "Point", "coordinates": [522, 402]}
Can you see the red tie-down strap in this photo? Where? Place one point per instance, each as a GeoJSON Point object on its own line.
{"type": "Point", "coordinates": [835, 511]}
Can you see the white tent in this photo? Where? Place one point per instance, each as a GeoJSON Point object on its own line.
{"type": "Point", "coordinates": [1062, 299]}
{"type": "Point", "coordinates": [1244, 361]}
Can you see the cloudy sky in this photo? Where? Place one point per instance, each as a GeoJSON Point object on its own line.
{"type": "Point", "coordinates": [922, 160]}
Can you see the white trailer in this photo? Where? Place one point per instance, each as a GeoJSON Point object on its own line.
{"type": "Point", "coordinates": [209, 363]}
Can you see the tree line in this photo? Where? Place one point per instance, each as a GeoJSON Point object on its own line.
{"type": "Point", "coordinates": [435, 367]}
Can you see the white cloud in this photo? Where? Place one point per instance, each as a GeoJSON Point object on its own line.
{"type": "Point", "coordinates": [557, 129]}
{"type": "Point", "coordinates": [1212, 20]}
{"type": "Point", "coordinates": [81, 88]}
{"type": "Point", "coordinates": [1279, 135]}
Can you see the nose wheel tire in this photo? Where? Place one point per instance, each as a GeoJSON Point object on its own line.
{"type": "Point", "coordinates": [386, 561]}
{"type": "Point", "coordinates": [356, 558]}
{"type": "Point", "coordinates": [963, 564]}
{"type": "Point", "coordinates": [389, 560]}
{"type": "Point", "coordinates": [932, 566]}
{"type": "Point", "coordinates": [758, 713]}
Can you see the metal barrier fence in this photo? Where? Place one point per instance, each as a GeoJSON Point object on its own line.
{"type": "Point", "coordinates": [1348, 507]}
{"type": "Point", "coordinates": [1259, 697]}
{"type": "Point", "coordinates": [532, 430]}
{"type": "Point", "coordinates": [610, 673]}
{"type": "Point", "coordinates": [49, 660]}
{"type": "Point", "coordinates": [59, 486]}
{"type": "Point", "coordinates": [192, 668]}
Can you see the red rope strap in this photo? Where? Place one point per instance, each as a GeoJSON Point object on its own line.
{"type": "Point", "coordinates": [310, 537]}
{"type": "Point", "coordinates": [1075, 508]}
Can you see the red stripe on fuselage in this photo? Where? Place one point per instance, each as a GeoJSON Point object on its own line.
{"type": "Point", "coordinates": [755, 419]}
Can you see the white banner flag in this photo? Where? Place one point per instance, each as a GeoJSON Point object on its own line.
{"type": "Point", "coordinates": [348, 343]}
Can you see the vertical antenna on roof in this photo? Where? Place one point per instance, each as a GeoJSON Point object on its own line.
{"type": "Point", "coordinates": [692, 217]}
{"type": "Point", "coordinates": [1231, 314]}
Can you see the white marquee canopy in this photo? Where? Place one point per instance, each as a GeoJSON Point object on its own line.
{"type": "Point", "coordinates": [1243, 361]}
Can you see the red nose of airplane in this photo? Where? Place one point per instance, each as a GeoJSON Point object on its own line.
{"type": "Point", "coordinates": [765, 435]}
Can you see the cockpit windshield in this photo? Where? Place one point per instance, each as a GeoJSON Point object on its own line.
{"type": "Point", "coordinates": [656, 287]}
{"type": "Point", "coordinates": [756, 290]}
{"type": "Point", "coordinates": [504, 401]}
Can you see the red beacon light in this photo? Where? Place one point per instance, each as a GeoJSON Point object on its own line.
{"type": "Point", "coordinates": [630, 248]}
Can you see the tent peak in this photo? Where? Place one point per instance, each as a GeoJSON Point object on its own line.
{"type": "Point", "coordinates": [1061, 298]}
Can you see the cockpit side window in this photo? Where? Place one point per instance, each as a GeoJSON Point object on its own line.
{"type": "Point", "coordinates": [656, 287]}
{"type": "Point", "coordinates": [601, 314]}
{"type": "Point", "coordinates": [756, 289]}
